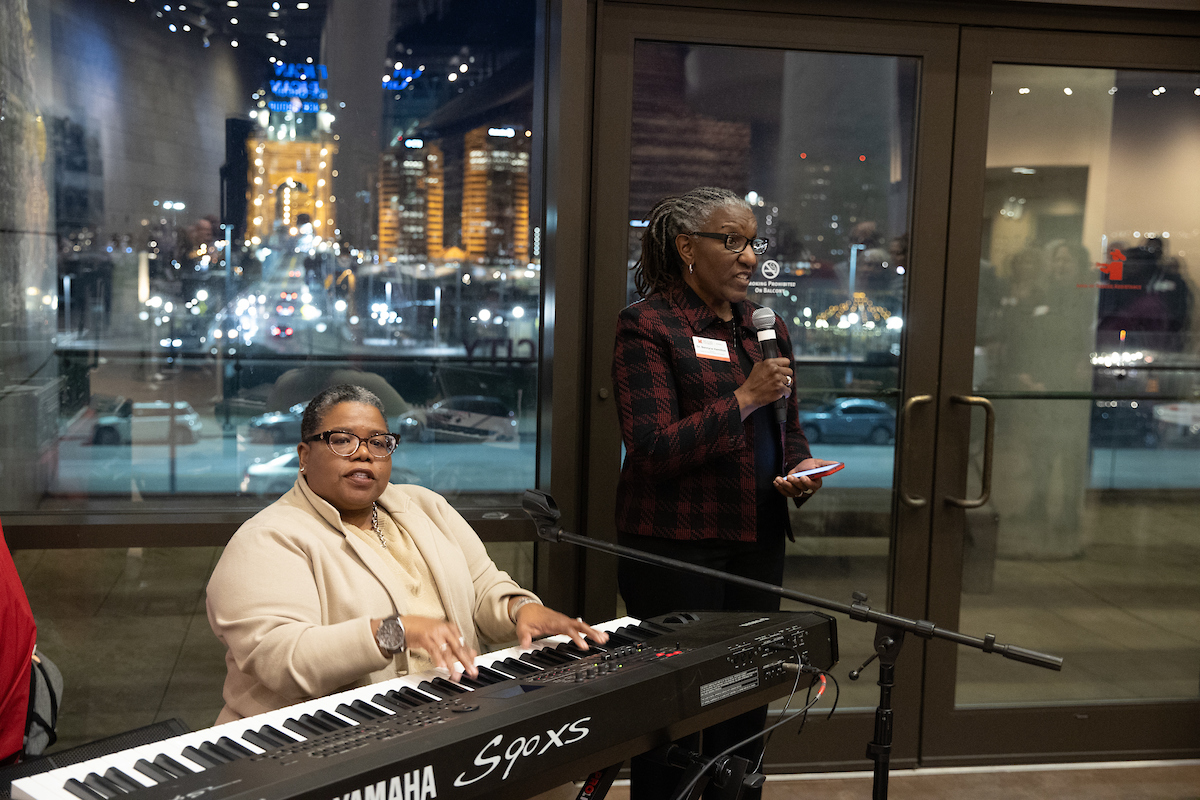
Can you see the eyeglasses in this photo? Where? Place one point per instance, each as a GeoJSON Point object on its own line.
{"type": "Point", "coordinates": [346, 444]}
{"type": "Point", "coordinates": [736, 243]}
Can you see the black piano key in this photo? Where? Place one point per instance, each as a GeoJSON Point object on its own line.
{"type": "Point", "coordinates": [331, 719]}
{"type": "Point", "coordinates": [203, 760]}
{"type": "Point", "coordinates": [102, 786]}
{"type": "Point", "coordinates": [522, 669]}
{"type": "Point", "coordinates": [82, 792]}
{"type": "Point", "coordinates": [320, 725]}
{"type": "Point", "coordinates": [399, 699]}
{"type": "Point", "coordinates": [450, 685]}
{"type": "Point", "coordinates": [367, 708]}
{"type": "Point", "coordinates": [172, 766]}
{"type": "Point", "coordinates": [492, 676]}
{"type": "Point", "coordinates": [539, 658]}
{"type": "Point", "coordinates": [353, 713]}
{"type": "Point", "coordinates": [156, 774]}
{"type": "Point", "coordinates": [474, 683]}
{"type": "Point", "coordinates": [230, 746]}
{"type": "Point", "coordinates": [545, 658]}
{"type": "Point", "coordinates": [426, 686]}
{"type": "Point", "coordinates": [506, 672]}
{"type": "Point", "coordinates": [387, 702]}
{"type": "Point", "coordinates": [643, 634]}
{"type": "Point", "coordinates": [302, 728]}
{"type": "Point", "coordinates": [214, 750]}
{"type": "Point", "coordinates": [268, 738]}
{"type": "Point", "coordinates": [618, 639]}
{"type": "Point", "coordinates": [540, 661]}
{"type": "Point", "coordinates": [122, 780]}
{"type": "Point", "coordinates": [572, 651]}
{"type": "Point", "coordinates": [596, 647]}
{"type": "Point", "coordinates": [419, 698]}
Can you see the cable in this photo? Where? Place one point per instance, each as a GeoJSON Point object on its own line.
{"type": "Point", "coordinates": [791, 695]}
{"type": "Point", "coordinates": [683, 793]}
{"type": "Point", "coordinates": [837, 695]}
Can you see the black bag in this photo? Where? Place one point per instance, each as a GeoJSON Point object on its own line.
{"type": "Point", "coordinates": [45, 693]}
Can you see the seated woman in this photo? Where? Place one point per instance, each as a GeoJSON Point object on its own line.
{"type": "Point", "coordinates": [348, 580]}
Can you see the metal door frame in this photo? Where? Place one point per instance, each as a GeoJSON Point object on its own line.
{"type": "Point", "coordinates": [1090, 731]}
{"type": "Point", "coordinates": [839, 742]}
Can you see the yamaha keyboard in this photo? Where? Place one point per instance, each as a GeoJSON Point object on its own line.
{"type": "Point", "coordinates": [533, 719]}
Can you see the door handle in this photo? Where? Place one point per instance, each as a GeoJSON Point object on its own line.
{"type": "Point", "coordinates": [989, 439]}
{"type": "Point", "coordinates": [910, 500]}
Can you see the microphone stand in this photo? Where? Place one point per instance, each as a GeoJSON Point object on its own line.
{"type": "Point", "coordinates": [889, 628]}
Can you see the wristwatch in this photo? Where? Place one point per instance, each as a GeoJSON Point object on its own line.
{"type": "Point", "coordinates": [390, 634]}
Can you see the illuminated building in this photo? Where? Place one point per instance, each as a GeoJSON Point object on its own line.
{"type": "Point", "coordinates": [290, 154]}
{"type": "Point", "coordinates": [411, 201]}
{"type": "Point", "coordinates": [289, 178]}
{"type": "Point", "coordinates": [495, 206]}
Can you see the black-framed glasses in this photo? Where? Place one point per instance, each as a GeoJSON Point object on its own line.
{"type": "Point", "coordinates": [346, 444]}
{"type": "Point", "coordinates": [736, 243]}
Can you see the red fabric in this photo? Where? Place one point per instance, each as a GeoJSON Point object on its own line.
{"type": "Point", "coordinates": [17, 636]}
{"type": "Point", "coordinates": [689, 463]}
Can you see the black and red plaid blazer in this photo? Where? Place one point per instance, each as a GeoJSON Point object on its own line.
{"type": "Point", "coordinates": [689, 462]}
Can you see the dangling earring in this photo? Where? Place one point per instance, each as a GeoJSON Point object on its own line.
{"type": "Point", "coordinates": [691, 269]}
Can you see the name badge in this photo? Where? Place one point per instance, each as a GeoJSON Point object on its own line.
{"type": "Point", "coordinates": [711, 348]}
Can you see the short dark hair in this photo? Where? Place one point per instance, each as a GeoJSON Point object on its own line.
{"type": "Point", "coordinates": [328, 398]}
{"type": "Point", "coordinates": [660, 266]}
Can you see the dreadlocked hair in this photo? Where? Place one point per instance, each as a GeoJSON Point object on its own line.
{"type": "Point", "coordinates": [659, 266]}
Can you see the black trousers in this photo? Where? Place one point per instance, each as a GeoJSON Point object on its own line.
{"type": "Point", "coordinates": [649, 591]}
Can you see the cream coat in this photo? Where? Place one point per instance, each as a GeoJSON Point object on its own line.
{"type": "Point", "coordinates": [293, 596]}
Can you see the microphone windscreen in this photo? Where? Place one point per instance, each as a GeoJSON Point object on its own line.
{"type": "Point", "coordinates": [764, 319]}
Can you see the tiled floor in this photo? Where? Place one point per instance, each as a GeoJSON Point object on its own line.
{"type": "Point", "coordinates": [127, 629]}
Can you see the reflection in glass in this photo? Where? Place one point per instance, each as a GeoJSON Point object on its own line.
{"type": "Point", "coordinates": [237, 208]}
{"type": "Point", "coordinates": [1086, 343]}
{"type": "Point", "coordinates": [820, 146]}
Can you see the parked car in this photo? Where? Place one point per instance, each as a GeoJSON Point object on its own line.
{"type": "Point", "coordinates": [1185, 415]}
{"type": "Point", "coordinates": [145, 423]}
{"type": "Point", "coordinates": [470, 418]}
{"type": "Point", "coordinates": [277, 427]}
{"type": "Point", "coordinates": [853, 419]}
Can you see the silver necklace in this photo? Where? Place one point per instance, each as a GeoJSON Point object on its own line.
{"type": "Point", "coordinates": [375, 526]}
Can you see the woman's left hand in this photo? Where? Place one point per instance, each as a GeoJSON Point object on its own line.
{"type": "Point", "coordinates": [535, 621]}
{"type": "Point", "coordinates": [804, 486]}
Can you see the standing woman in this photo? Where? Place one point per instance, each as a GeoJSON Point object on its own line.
{"type": "Point", "coordinates": [703, 479]}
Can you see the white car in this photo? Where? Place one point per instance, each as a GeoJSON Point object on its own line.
{"type": "Point", "coordinates": [147, 423]}
{"type": "Point", "coordinates": [1186, 415]}
{"type": "Point", "coordinates": [470, 418]}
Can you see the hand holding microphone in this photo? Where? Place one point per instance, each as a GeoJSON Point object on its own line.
{"type": "Point", "coordinates": [764, 323]}
{"type": "Point", "coordinates": [769, 381]}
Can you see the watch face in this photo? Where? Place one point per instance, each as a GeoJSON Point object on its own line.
{"type": "Point", "coordinates": [390, 635]}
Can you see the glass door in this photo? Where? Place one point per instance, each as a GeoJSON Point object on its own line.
{"type": "Point", "coordinates": [816, 125]}
{"type": "Point", "coordinates": [1074, 239]}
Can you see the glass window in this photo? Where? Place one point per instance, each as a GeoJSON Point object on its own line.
{"type": "Point", "coordinates": [1086, 344]}
{"type": "Point", "coordinates": [210, 212]}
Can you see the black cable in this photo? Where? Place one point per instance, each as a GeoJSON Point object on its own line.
{"type": "Point", "coordinates": [683, 793]}
{"type": "Point", "coordinates": [837, 695]}
{"type": "Point", "coordinates": [791, 695]}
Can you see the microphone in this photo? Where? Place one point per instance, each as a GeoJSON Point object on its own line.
{"type": "Point", "coordinates": [764, 322]}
